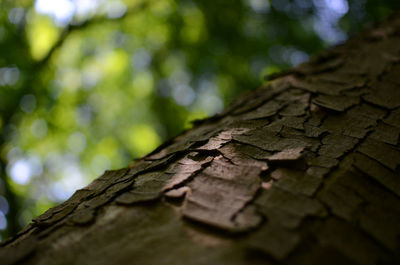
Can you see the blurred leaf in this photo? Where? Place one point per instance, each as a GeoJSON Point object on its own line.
{"type": "Point", "coordinates": [42, 35]}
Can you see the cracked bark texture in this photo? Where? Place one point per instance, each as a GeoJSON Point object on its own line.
{"type": "Point", "coordinates": [304, 170]}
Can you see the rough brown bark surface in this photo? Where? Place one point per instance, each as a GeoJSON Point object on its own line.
{"type": "Point", "coordinates": [304, 170]}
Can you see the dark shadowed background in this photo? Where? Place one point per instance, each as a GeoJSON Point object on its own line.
{"type": "Point", "coordinates": [89, 85]}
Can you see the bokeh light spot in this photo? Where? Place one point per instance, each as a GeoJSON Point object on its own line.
{"type": "Point", "coordinates": [77, 142]}
{"type": "Point", "coordinates": [28, 103]}
{"type": "Point", "coordinates": [39, 128]}
{"type": "Point", "coordinates": [3, 221]}
{"type": "Point", "coordinates": [4, 207]}
{"type": "Point", "coordinates": [143, 139]}
{"type": "Point", "coordinates": [61, 10]}
{"type": "Point", "coordinates": [20, 172]}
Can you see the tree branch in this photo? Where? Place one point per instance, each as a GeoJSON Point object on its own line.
{"type": "Point", "coordinates": [97, 20]}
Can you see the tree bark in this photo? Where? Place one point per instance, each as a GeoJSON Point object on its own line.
{"type": "Point", "coordinates": [304, 170]}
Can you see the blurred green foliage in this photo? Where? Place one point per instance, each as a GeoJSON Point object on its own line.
{"type": "Point", "coordinates": [89, 85]}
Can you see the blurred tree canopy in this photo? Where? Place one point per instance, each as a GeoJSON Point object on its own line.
{"type": "Point", "coordinates": [89, 85]}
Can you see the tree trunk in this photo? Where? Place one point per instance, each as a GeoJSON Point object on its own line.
{"type": "Point", "coordinates": [304, 170]}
